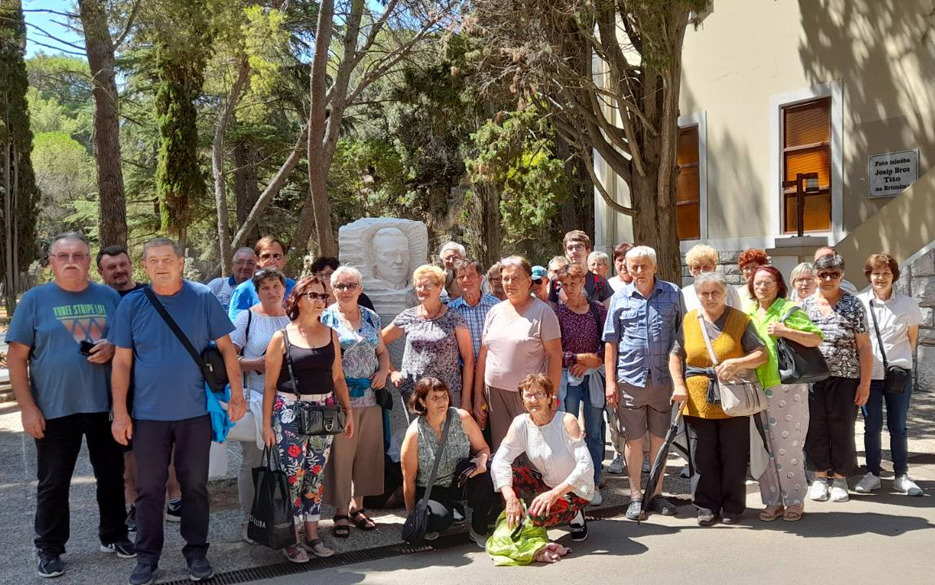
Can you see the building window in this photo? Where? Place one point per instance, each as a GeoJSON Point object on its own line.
{"type": "Point", "coordinates": [688, 185]}
{"type": "Point", "coordinates": [806, 148]}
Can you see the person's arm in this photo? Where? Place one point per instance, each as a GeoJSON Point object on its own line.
{"type": "Point", "coordinates": [610, 374]}
{"type": "Point", "coordinates": [553, 349]}
{"type": "Point", "coordinates": [727, 369]}
{"type": "Point", "coordinates": [274, 365]}
{"type": "Point", "coordinates": [806, 338]}
{"type": "Point", "coordinates": [409, 462]}
{"type": "Point", "coordinates": [340, 386]}
{"type": "Point", "coordinates": [18, 364]}
{"type": "Point", "coordinates": [479, 398]}
{"type": "Point", "coordinates": [679, 388]}
{"type": "Point", "coordinates": [581, 474]}
{"type": "Point", "coordinates": [378, 380]}
{"type": "Point", "coordinates": [479, 448]}
{"type": "Point", "coordinates": [391, 333]}
{"type": "Point", "coordinates": [865, 355]}
{"type": "Point", "coordinates": [913, 332]}
{"type": "Point", "coordinates": [121, 368]}
{"type": "Point", "coordinates": [501, 472]}
{"type": "Point", "coordinates": [466, 349]}
{"type": "Point", "coordinates": [237, 405]}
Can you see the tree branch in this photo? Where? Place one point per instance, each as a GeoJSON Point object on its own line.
{"type": "Point", "coordinates": [129, 25]}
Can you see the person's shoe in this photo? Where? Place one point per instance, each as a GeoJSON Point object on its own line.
{"type": "Point", "coordinates": [430, 536]}
{"type": "Point", "coordinates": [906, 486]}
{"type": "Point", "coordinates": [174, 510]}
{"type": "Point", "coordinates": [635, 510]}
{"type": "Point", "coordinates": [579, 532]}
{"type": "Point", "coordinates": [660, 505]}
{"type": "Point", "coordinates": [728, 518]}
{"type": "Point", "coordinates": [295, 554]}
{"type": "Point", "coordinates": [317, 548]}
{"type": "Point", "coordinates": [819, 490]}
{"type": "Point", "coordinates": [839, 490]}
{"type": "Point", "coordinates": [868, 483]}
{"type": "Point", "coordinates": [131, 519]}
{"type": "Point", "coordinates": [200, 569]}
{"type": "Point", "coordinates": [706, 517]}
{"type": "Point", "coordinates": [143, 574]}
{"type": "Point", "coordinates": [597, 499]}
{"type": "Point", "coordinates": [124, 549]}
{"type": "Point", "coordinates": [616, 466]}
{"type": "Point", "coordinates": [244, 533]}
{"type": "Point", "coordinates": [479, 539]}
{"type": "Point", "coordinates": [49, 566]}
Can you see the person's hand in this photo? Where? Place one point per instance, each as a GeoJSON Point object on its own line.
{"type": "Point", "coordinates": [259, 366]}
{"type": "Point", "coordinates": [777, 329]}
{"type": "Point", "coordinates": [542, 505]}
{"type": "Point", "coordinates": [481, 463]}
{"type": "Point", "coordinates": [590, 360]}
{"type": "Point", "coordinates": [102, 352]}
{"type": "Point", "coordinates": [514, 512]}
{"type": "Point", "coordinates": [122, 429]}
{"type": "Point", "coordinates": [348, 423]}
{"type": "Point", "coordinates": [577, 370]}
{"type": "Point", "coordinates": [237, 407]}
{"type": "Point", "coordinates": [33, 422]}
{"type": "Point", "coordinates": [480, 410]}
{"type": "Point", "coordinates": [610, 392]}
{"type": "Point", "coordinates": [378, 379]}
{"type": "Point", "coordinates": [726, 370]}
{"type": "Point", "coordinates": [269, 437]}
{"type": "Point", "coordinates": [397, 378]}
{"type": "Point", "coordinates": [863, 394]}
{"type": "Point", "coordinates": [679, 395]}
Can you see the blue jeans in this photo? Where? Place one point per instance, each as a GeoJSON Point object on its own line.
{"type": "Point", "coordinates": [593, 423]}
{"type": "Point", "coordinates": [897, 410]}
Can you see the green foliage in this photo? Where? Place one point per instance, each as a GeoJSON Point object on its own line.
{"type": "Point", "coordinates": [65, 175]}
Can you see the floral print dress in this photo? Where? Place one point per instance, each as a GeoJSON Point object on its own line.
{"type": "Point", "coordinates": [431, 349]}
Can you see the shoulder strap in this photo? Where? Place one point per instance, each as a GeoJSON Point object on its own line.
{"type": "Point", "coordinates": [592, 308]}
{"type": "Point", "coordinates": [789, 313]}
{"type": "Point", "coordinates": [287, 349]}
{"type": "Point", "coordinates": [246, 334]}
{"type": "Point", "coordinates": [173, 326]}
{"type": "Point", "coordinates": [707, 340]}
{"type": "Point", "coordinates": [876, 328]}
{"type": "Point", "coordinates": [438, 456]}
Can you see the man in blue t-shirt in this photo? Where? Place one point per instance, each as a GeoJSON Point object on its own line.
{"type": "Point", "coordinates": [169, 406]}
{"type": "Point", "coordinates": [59, 362]}
{"type": "Point", "coordinates": [243, 265]}
{"type": "Point", "coordinates": [270, 252]}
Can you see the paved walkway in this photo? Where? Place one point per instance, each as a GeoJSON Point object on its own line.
{"type": "Point", "coordinates": [854, 542]}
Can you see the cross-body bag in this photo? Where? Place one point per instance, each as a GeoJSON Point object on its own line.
{"type": "Point", "coordinates": [417, 522]}
{"type": "Point", "coordinates": [740, 396]}
{"type": "Point", "coordinates": [895, 378]}
{"type": "Point", "coordinates": [312, 419]}
{"type": "Point", "coordinates": [799, 364]}
{"type": "Point", "coordinates": [210, 361]}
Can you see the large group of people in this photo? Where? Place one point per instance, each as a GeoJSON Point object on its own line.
{"type": "Point", "coordinates": [511, 378]}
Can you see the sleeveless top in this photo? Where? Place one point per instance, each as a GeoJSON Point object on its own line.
{"type": "Point", "coordinates": [457, 448]}
{"type": "Point", "coordinates": [728, 344]}
{"type": "Point", "coordinates": [311, 368]}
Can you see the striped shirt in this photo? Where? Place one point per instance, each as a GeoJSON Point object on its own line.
{"type": "Point", "coordinates": [474, 316]}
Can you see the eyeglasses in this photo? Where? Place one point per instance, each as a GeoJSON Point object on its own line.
{"type": "Point", "coordinates": [833, 275]}
{"type": "Point", "coordinates": [76, 257]}
{"type": "Point", "coordinates": [537, 281]}
{"type": "Point", "coordinates": [574, 248]}
{"type": "Point", "coordinates": [343, 287]}
{"type": "Point", "coordinates": [313, 296]}
{"type": "Point", "coordinates": [534, 396]}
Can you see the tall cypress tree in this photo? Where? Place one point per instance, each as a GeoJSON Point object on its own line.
{"type": "Point", "coordinates": [20, 196]}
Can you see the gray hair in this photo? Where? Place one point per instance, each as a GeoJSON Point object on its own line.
{"type": "Point", "coordinates": [478, 267]}
{"type": "Point", "coordinates": [709, 277]}
{"type": "Point", "coordinates": [642, 252]}
{"type": "Point", "coordinates": [245, 250]}
{"type": "Point", "coordinates": [557, 262]}
{"type": "Point", "coordinates": [830, 262]}
{"type": "Point", "coordinates": [346, 270]}
{"type": "Point", "coordinates": [160, 242]}
{"type": "Point", "coordinates": [453, 246]}
{"type": "Point", "coordinates": [600, 257]}
{"type": "Point", "coordinates": [516, 262]}
{"type": "Point", "coordinates": [69, 236]}
{"type": "Point", "coordinates": [801, 270]}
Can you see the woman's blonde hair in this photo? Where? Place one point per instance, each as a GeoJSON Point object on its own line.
{"type": "Point", "coordinates": [701, 254]}
{"type": "Point", "coordinates": [431, 272]}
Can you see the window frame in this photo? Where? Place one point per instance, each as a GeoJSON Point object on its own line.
{"type": "Point", "coordinates": [823, 190]}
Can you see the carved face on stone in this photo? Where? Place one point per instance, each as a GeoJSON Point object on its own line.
{"type": "Point", "coordinates": [391, 257]}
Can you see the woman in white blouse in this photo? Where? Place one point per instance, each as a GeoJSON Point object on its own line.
{"type": "Point", "coordinates": [560, 482]}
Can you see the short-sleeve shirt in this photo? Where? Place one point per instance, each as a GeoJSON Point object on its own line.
{"type": "Point", "coordinates": [768, 373]}
{"type": "Point", "coordinates": [53, 322]}
{"type": "Point", "coordinates": [839, 328]}
{"type": "Point", "coordinates": [223, 288]}
{"type": "Point", "coordinates": [254, 342]}
{"type": "Point", "coordinates": [432, 347]}
{"type": "Point", "coordinates": [358, 349]}
{"type": "Point", "coordinates": [595, 287]}
{"type": "Point", "coordinates": [168, 385]}
{"type": "Point", "coordinates": [516, 344]}
{"type": "Point", "coordinates": [581, 333]}
{"type": "Point", "coordinates": [644, 330]}
{"type": "Point", "coordinates": [244, 297]}
{"type": "Point", "coordinates": [136, 286]}
{"type": "Point", "coordinates": [475, 316]}
{"type": "Point", "coordinates": [894, 318]}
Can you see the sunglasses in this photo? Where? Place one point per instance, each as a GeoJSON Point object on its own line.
{"type": "Point", "coordinates": [537, 281]}
{"type": "Point", "coordinates": [344, 287]}
{"type": "Point", "coordinates": [314, 296]}
{"type": "Point", "coordinates": [827, 275]}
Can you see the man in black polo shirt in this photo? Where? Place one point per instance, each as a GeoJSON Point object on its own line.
{"type": "Point", "coordinates": [577, 246]}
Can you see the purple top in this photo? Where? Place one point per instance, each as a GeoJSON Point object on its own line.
{"type": "Point", "coordinates": [580, 333]}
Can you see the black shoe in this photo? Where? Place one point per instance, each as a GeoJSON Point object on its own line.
{"type": "Point", "coordinates": [200, 569]}
{"type": "Point", "coordinates": [706, 517]}
{"type": "Point", "coordinates": [728, 518]}
{"type": "Point", "coordinates": [143, 574]}
{"type": "Point", "coordinates": [174, 510]}
{"type": "Point", "coordinates": [50, 565]}
{"type": "Point", "coordinates": [579, 532]}
{"type": "Point", "coordinates": [131, 519]}
{"type": "Point", "coordinates": [124, 549]}
{"type": "Point", "coordinates": [662, 506]}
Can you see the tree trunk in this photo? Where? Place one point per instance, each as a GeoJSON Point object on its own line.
{"type": "Point", "coordinates": [112, 213]}
{"type": "Point", "coordinates": [246, 190]}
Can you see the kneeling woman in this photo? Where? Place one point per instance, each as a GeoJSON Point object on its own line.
{"type": "Point", "coordinates": [559, 483]}
{"type": "Point", "coordinates": [431, 400]}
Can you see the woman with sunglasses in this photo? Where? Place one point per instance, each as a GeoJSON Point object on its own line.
{"type": "Point", "coordinates": [315, 360]}
{"type": "Point", "coordinates": [255, 328]}
{"type": "Point", "coordinates": [832, 403]}
{"type": "Point", "coordinates": [355, 467]}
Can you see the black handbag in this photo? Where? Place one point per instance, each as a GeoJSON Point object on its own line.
{"type": "Point", "coordinates": [210, 361]}
{"type": "Point", "coordinates": [383, 397]}
{"type": "Point", "coordinates": [270, 522]}
{"type": "Point", "coordinates": [799, 364]}
{"type": "Point", "coordinates": [895, 378]}
{"type": "Point", "coordinates": [417, 522]}
{"type": "Point", "coordinates": [312, 419]}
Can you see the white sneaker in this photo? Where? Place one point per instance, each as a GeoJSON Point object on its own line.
{"type": "Point", "coordinates": [597, 499]}
{"type": "Point", "coordinates": [906, 486]}
{"type": "Point", "coordinates": [819, 490]}
{"type": "Point", "coordinates": [616, 466]}
{"type": "Point", "coordinates": [868, 483]}
{"type": "Point", "coordinates": [839, 490]}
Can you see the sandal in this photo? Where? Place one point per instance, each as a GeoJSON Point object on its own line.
{"type": "Point", "coordinates": [794, 513]}
{"type": "Point", "coordinates": [295, 554]}
{"type": "Point", "coordinates": [341, 530]}
{"type": "Point", "coordinates": [771, 513]}
{"type": "Point", "coordinates": [362, 521]}
{"type": "Point", "coordinates": [317, 548]}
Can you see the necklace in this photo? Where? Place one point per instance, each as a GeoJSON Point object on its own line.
{"type": "Point", "coordinates": [424, 313]}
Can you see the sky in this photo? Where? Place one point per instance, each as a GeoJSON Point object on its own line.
{"type": "Point", "coordinates": [49, 23]}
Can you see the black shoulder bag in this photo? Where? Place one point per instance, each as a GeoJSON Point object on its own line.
{"type": "Point", "coordinates": [799, 364]}
{"type": "Point", "coordinates": [210, 361]}
{"type": "Point", "coordinates": [417, 522]}
{"type": "Point", "coordinates": [895, 378]}
{"type": "Point", "coordinates": [312, 419]}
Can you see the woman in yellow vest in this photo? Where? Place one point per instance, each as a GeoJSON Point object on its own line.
{"type": "Point", "coordinates": [718, 442]}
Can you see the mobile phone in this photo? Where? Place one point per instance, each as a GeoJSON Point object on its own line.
{"type": "Point", "coordinates": [85, 347]}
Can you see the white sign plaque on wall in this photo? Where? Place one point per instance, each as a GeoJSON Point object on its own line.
{"type": "Point", "coordinates": [891, 172]}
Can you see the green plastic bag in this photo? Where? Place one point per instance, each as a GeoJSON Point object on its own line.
{"type": "Point", "coordinates": [516, 546]}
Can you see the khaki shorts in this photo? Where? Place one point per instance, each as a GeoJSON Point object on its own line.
{"type": "Point", "coordinates": [643, 410]}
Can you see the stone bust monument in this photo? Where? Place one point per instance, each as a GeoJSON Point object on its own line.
{"type": "Point", "coordinates": [386, 251]}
